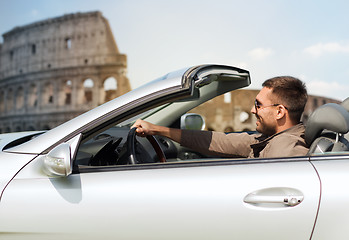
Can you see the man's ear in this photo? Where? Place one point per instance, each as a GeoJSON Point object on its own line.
{"type": "Point", "coordinates": [280, 112]}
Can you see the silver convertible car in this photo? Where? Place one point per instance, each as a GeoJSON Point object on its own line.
{"type": "Point", "coordinates": [92, 178]}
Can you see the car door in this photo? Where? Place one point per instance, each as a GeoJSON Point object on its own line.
{"type": "Point", "coordinates": [333, 216]}
{"type": "Point", "coordinates": [215, 199]}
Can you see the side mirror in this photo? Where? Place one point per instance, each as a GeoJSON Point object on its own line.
{"type": "Point", "coordinates": [58, 161]}
{"type": "Point", "coordinates": [192, 121]}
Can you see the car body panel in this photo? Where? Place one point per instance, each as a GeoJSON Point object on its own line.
{"type": "Point", "coordinates": [167, 202]}
{"type": "Point", "coordinates": [11, 164]}
{"type": "Point", "coordinates": [334, 213]}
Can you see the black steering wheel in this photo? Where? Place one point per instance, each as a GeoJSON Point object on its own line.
{"type": "Point", "coordinates": [131, 147]}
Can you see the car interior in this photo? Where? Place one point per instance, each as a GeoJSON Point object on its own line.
{"type": "Point", "coordinates": [119, 145]}
{"type": "Point", "coordinates": [327, 128]}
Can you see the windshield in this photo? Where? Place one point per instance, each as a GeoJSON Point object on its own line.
{"type": "Point", "coordinates": [143, 115]}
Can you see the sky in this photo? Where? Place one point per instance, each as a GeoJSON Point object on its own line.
{"type": "Point", "coordinates": [307, 39]}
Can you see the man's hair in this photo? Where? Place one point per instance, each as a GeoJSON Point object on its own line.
{"type": "Point", "coordinates": [290, 92]}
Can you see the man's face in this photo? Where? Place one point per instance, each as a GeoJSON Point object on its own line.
{"type": "Point", "coordinates": [265, 110]}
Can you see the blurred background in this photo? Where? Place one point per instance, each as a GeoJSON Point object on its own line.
{"type": "Point", "coordinates": [61, 58]}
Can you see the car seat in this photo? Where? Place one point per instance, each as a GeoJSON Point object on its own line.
{"type": "Point", "coordinates": [325, 129]}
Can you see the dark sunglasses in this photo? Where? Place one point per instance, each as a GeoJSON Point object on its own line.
{"type": "Point", "coordinates": [258, 106]}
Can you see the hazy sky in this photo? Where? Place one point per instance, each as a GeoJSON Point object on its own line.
{"type": "Point", "coordinates": [308, 39]}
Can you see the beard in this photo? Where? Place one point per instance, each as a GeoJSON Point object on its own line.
{"type": "Point", "coordinates": [264, 128]}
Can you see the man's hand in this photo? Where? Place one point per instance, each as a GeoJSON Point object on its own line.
{"type": "Point", "coordinates": [146, 128]}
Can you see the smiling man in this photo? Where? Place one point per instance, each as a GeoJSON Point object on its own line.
{"type": "Point", "coordinates": [278, 108]}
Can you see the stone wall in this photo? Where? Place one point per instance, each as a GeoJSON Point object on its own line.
{"type": "Point", "coordinates": [56, 69]}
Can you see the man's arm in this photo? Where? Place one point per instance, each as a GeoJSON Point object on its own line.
{"type": "Point", "coordinates": [145, 128]}
{"type": "Point", "coordinates": [207, 142]}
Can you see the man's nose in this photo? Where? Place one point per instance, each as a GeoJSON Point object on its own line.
{"type": "Point", "coordinates": [253, 110]}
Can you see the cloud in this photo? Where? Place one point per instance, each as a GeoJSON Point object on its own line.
{"type": "Point", "coordinates": [327, 89]}
{"type": "Point", "coordinates": [323, 48]}
{"type": "Point", "coordinates": [34, 12]}
{"type": "Point", "coordinates": [260, 53]}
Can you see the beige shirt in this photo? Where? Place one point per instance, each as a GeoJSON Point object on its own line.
{"type": "Point", "coordinates": [284, 144]}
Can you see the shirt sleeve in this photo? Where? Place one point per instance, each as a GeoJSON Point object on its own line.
{"type": "Point", "coordinates": [217, 143]}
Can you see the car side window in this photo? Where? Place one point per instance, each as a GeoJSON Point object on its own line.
{"type": "Point", "coordinates": [110, 148]}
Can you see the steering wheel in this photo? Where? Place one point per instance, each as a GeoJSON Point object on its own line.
{"type": "Point", "coordinates": [131, 147]}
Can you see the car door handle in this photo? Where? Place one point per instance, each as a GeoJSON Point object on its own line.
{"type": "Point", "coordinates": [274, 197]}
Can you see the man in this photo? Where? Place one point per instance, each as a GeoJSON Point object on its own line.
{"type": "Point", "coordinates": [278, 108]}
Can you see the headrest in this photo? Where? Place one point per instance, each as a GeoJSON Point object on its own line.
{"type": "Point", "coordinates": [331, 116]}
{"type": "Point", "coordinates": [345, 104]}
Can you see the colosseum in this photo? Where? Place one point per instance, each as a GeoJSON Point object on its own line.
{"type": "Point", "coordinates": [56, 69]}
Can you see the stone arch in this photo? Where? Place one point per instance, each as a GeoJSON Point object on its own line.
{"type": "Point", "coordinates": [9, 100]}
{"type": "Point", "coordinates": [19, 98]}
{"type": "Point", "coordinates": [33, 95]}
{"type": "Point", "coordinates": [47, 93]}
{"type": "Point", "coordinates": [68, 43]}
{"type": "Point", "coordinates": [88, 85]}
{"type": "Point", "coordinates": [65, 93]}
{"type": "Point", "coordinates": [110, 88]}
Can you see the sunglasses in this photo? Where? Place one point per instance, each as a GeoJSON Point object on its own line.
{"type": "Point", "coordinates": [258, 105]}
